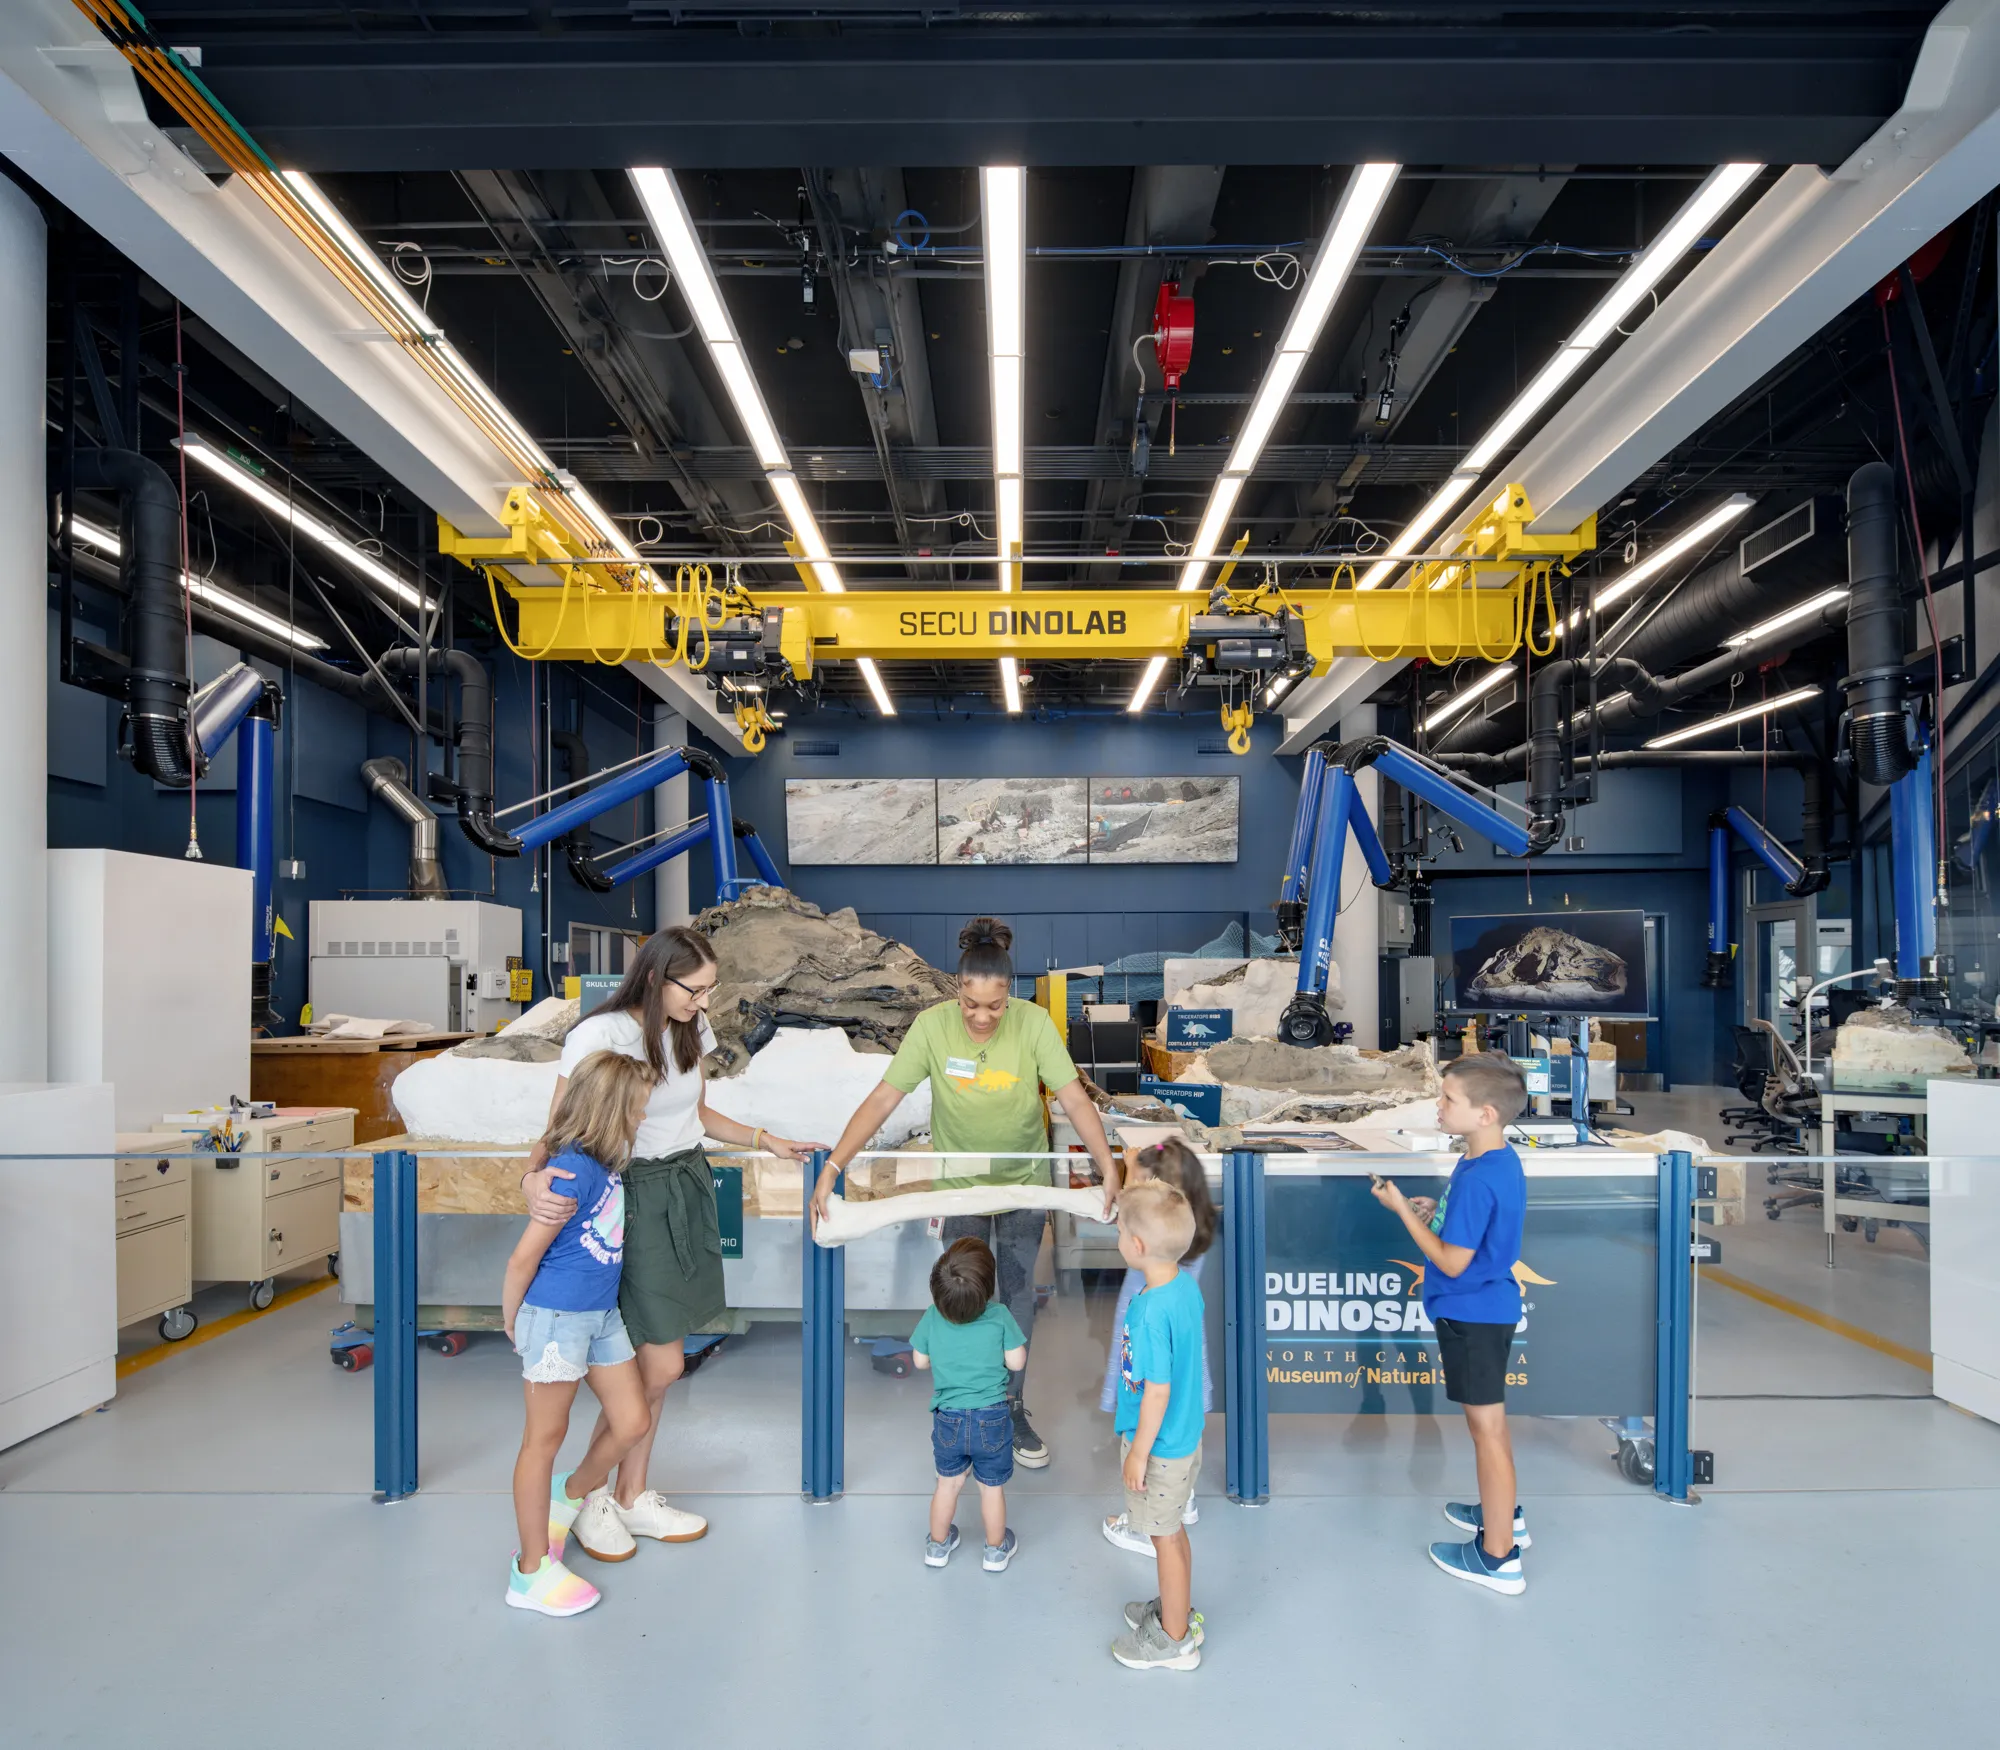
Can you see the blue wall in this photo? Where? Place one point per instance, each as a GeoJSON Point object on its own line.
{"type": "Point", "coordinates": [1064, 916]}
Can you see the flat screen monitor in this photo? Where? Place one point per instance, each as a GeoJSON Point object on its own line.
{"type": "Point", "coordinates": [1556, 963]}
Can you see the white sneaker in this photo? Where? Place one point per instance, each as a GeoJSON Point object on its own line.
{"type": "Point", "coordinates": [650, 1516]}
{"type": "Point", "coordinates": [1118, 1530]}
{"type": "Point", "coordinates": [599, 1532]}
{"type": "Point", "coordinates": [1190, 1514]}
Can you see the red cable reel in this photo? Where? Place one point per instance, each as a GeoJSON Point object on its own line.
{"type": "Point", "coordinates": [1173, 345]}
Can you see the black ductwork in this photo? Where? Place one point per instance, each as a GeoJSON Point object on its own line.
{"type": "Point", "coordinates": [1546, 718]}
{"type": "Point", "coordinates": [473, 737]}
{"type": "Point", "coordinates": [1877, 732]}
{"type": "Point", "coordinates": [577, 851]}
{"type": "Point", "coordinates": [156, 683]}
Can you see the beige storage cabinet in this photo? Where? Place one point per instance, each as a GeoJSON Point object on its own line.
{"type": "Point", "coordinates": [154, 1204]}
{"type": "Point", "coordinates": [256, 1216]}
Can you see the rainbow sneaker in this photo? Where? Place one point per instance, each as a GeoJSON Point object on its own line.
{"type": "Point", "coordinates": [551, 1589]}
{"type": "Point", "coordinates": [562, 1514]}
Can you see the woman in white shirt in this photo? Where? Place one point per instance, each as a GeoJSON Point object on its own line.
{"type": "Point", "coordinates": [672, 1279]}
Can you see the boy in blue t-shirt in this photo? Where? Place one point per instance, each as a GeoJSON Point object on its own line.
{"type": "Point", "coordinates": [1159, 1420]}
{"type": "Point", "coordinates": [1471, 1242]}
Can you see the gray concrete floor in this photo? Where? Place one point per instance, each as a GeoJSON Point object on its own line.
{"type": "Point", "coordinates": [204, 1566]}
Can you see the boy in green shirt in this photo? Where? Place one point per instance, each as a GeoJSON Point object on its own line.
{"type": "Point", "coordinates": [969, 1345]}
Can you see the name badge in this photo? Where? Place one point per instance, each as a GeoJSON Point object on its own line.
{"type": "Point", "coordinates": [960, 1069]}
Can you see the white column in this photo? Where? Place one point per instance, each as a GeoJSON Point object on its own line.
{"type": "Point", "coordinates": [670, 808]}
{"type": "Point", "coordinates": [24, 639]}
{"type": "Point", "coordinates": [1357, 932]}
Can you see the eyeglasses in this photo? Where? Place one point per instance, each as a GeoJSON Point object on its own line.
{"type": "Point", "coordinates": [700, 996]}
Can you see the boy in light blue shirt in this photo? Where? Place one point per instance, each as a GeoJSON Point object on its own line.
{"type": "Point", "coordinates": [1159, 1420]}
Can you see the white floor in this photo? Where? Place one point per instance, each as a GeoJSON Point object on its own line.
{"type": "Point", "coordinates": [205, 1566]}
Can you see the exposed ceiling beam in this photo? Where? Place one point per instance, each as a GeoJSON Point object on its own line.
{"type": "Point", "coordinates": [1558, 90]}
{"type": "Point", "coordinates": [526, 222]}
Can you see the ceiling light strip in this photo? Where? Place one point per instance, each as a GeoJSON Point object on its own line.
{"type": "Point", "coordinates": [203, 590]}
{"type": "Point", "coordinates": [1707, 204]}
{"type": "Point", "coordinates": [1797, 696]}
{"type": "Point", "coordinates": [1466, 695]}
{"type": "Point", "coordinates": [1360, 203]}
{"type": "Point", "coordinates": [1147, 682]}
{"type": "Point", "coordinates": [1003, 211]}
{"type": "Point", "coordinates": [1791, 616]}
{"type": "Point", "coordinates": [673, 229]}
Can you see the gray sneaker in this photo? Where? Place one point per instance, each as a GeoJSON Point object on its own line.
{"type": "Point", "coordinates": [1140, 1608]}
{"type": "Point", "coordinates": [1147, 1648]}
{"type": "Point", "coordinates": [937, 1554]}
{"type": "Point", "coordinates": [998, 1555]}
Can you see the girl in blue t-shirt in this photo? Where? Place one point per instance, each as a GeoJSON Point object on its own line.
{"type": "Point", "coordinates": [560, 1305]}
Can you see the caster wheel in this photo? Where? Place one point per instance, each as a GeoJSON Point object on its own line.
{"type": "Point", "coordinates": [1848, 1224]}
{"type": "Point", "coordinates": [177, 1325]}
{"type": "Point", "coordinates": [1635, 1461]}
{"type": "Point", "coordinates": [452, 1343]}
{"type": "Point", "coordinates": [263, 1293]}
{"type": "Point", "coordinates": [355, 1359]}
{"type": "Point", "coordinates": [1770, 1214]}
{"type": "Point", "coordinates": [333, 1265]}
{"type": "Point", "coordinates": [895, 1366]}
{"type": "Point", "coordinates": [1869, 1229]}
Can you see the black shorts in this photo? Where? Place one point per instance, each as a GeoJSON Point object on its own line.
{"type": "Point", "coordinates": [1475, 1360]}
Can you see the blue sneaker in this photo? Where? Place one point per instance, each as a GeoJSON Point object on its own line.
{"type": "Point", "coordinates": [1469, 1561]}
{"type": "Point", "coordinates": [937, 1554]}
{"type": "Point", "coordinates": [998, 1555]}
{"type": "Point", "coordinates": [1467, 1517]}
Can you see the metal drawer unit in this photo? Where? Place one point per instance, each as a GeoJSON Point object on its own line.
{"type": "Point", "coordinates": [154, 1207]}
{"type": "Point", "coordinates": [271, 1205]}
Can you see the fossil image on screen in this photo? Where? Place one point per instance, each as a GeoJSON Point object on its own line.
{"type": "Point", "coordinates": [861, 820]}
{"type": "Point", "coordinates": [1010, 820]}
{"type": "Point", "coordinates": [1163, 820]}
{"type": "Point", "coordinates": [1589, 963]}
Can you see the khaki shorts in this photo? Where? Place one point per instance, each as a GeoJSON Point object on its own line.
{"type": "Point", "coordinates": [1155, 1511]}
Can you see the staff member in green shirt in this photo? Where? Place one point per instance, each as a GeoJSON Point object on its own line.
{"type": "Point", "coordinates": [988, 1057]}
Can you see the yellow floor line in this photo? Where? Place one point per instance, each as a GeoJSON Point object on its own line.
{"type": "Point", "coordinates": [222, 1327]}
{"type": "Point", "coordinates": [1813, 1316]}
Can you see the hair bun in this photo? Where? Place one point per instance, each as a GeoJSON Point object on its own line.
{"type": "Point", "coordinates": [986, 933]}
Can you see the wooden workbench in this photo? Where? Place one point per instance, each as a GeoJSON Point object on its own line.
{"type": "Point", "coordinates": [312, 1071]}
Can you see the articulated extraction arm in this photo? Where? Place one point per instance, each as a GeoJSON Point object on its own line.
{"type": "Point", "coordinates": [1329, 807]}
{"type": "Point", "coordinates": [1799, 875]}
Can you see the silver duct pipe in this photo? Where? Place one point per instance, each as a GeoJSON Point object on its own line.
{"type": "Point", "coordinates": [390, 779]}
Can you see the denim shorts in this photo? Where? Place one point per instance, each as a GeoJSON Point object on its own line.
{"type": "Point", "coordinates": [983, 1439]}
{"type": "Point", "coordinates": [559, 1346]}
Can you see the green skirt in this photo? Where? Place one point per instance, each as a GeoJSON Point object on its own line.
{"type": "Point", "coordinates": [671, 1282]}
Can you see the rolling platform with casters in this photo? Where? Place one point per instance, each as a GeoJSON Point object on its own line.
{"type": "Point", "coordinates": [266, 1194]}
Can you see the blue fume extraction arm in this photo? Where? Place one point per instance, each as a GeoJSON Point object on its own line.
{"type": "Point", "coordinates": [1329, 808]}
{"type": "Point", "coordinates": [244, 703]}
{"type": "Point", "coordinates": [1800, 873]}
{"type": "Point", "coordinates": [620, 786]}
{"type": "Point", "coordinates": [663, 847]}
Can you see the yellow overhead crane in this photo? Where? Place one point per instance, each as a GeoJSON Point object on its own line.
{"type": "Point", "coordinates": [1486, 597]}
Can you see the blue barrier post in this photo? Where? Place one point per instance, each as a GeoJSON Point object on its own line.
{"type": "Point", "coordinates": [823, 1357]}
{"type": "Point", "coordinates": [1246, 1392]}
{"type": "Point", "coordinates": [1673, 1463]}
{"type": "Point", "coordinates": [395, 1325]}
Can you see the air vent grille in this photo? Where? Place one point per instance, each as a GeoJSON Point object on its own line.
{"type": "Point", "coordinates": [1211, 747]}
{"type": "Point", "coordinates": [815, 749]}
{"type": "Point", "coordinates": [1763, 545]}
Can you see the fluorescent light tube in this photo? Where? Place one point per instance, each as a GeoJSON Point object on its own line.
{"type": "Point", "coordinates": [261, 492]}
{"type": "Point", "coordinates": [1419, 527]}
{"type": "Point", "coordinates": [221, 601]}
{"type": "Point", "coordinates": [330, 220]}
{"type": "Point", "coordinates": [1797, 696]}
{"type": "Point", "coordinates": [667, 213]}
{"type": "Point", "coordinates": [748, 400]}
{"type": "Point", "coordinates": [799, 514]}
{"type": "Point", "coordinates": [1678, 548]}
{"type": "Point", "coordinates": [1540, 391]}
{"type": "Point", "coordinates": [1220, 503]}
{"type": "Point", "coordinates": [1272, 394]}
{"type": "Point", "coordinates": [1804, 611]}
{"type": "Point", "coordinates": [1147, 682]}
{"type": "Point", "coordinates": [1006, 415]}
{"type": "Point", "coordinates": [873, 676]}
{"type": "Point", "coordinates": [1360, 202]}
{"type": "Point", "coordinates": [1465, 695]}
{"type": "Point", "coordinates": [1008, 525]}
{"type": "Point", "coordinates": [1010, 683]}
{"type": "Point", "coordinates": [1707, 204]}
{"type": "Point", "coordinates": [829, 576]}
{"type": "Point", "coordinates": [104, 540]}
{"type": "Point", "coordinates": [1003, 201]}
